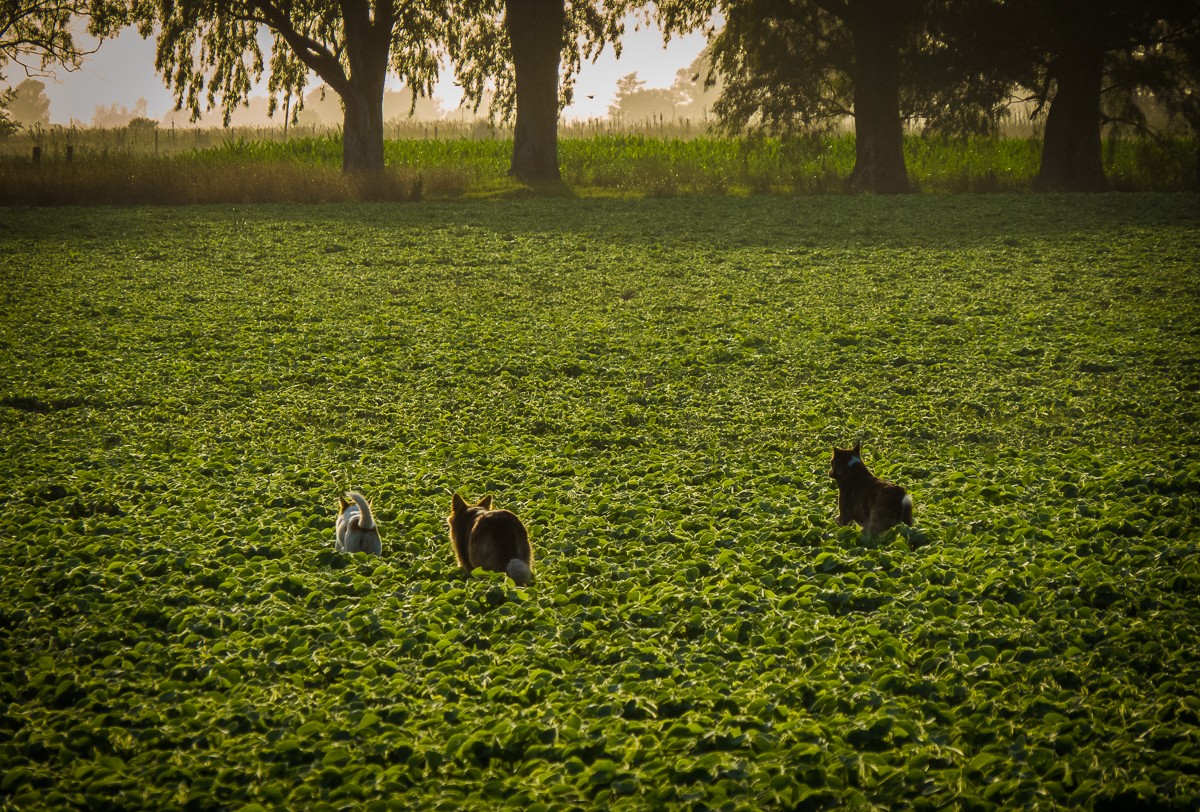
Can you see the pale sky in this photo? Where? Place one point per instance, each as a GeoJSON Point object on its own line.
{"type": "Point", "coordinates": [122, 72]}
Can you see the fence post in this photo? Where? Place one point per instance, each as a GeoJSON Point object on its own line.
{"type": "Point", "coordinates": [37, 155]}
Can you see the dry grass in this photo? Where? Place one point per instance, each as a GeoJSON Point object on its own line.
{"type": "Point", "coordinates": [137, 181]}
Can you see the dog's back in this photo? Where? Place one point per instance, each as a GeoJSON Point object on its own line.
{"type": "Point", "coordinates": [356, 528]}
{"type": "Point", "coordinates": [890, 505]}
{"type": "Point", "coordinates": [495, 540]}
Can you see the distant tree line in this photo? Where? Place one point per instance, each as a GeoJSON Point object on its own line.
{"type": "Point", "coordinates": [783, 66]}
{"type": "Point", "coordinates": [24, 105]}
{"type": "Point", "coordinates": [689, 97]}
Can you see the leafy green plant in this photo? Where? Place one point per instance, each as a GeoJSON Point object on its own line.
{"type": "Point", "coordinates": [654, 387]}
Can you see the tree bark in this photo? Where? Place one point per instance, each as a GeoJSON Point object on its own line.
{"type": "Point", "coordinates": [362, 130]}
{"type": "Point", "coordinates": [1071, 151]}
{"type": "Point", "coordinates": [368, 43]}
{"type": "Point", "coordinates": [878, 127]}
{"type": "Point", "coordinates": [535, 32]}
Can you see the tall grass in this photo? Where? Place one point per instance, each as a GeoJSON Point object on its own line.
{"type": "Point", "coordinates": [307, 168]}
{"type": "Point", "coordinates": [972, 165]}
{"type": "Point", "coordinates": [174, 182]}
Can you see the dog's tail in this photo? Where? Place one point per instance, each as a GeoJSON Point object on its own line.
{"type": "Point", "coordinates": [906, 510]}
{"type": "Point", "coordinates": [365, 520]}
{"type": "Point", "coordinates": [519, 571]}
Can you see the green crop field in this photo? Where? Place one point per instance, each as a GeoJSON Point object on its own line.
{"type": "Point", "coordinates": [654, 386]}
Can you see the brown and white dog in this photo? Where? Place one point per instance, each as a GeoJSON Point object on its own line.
{"type": "Point", "coordinates": [492, 539]}
{"type": "Point", "coordinates": [865, 498]}
{"type": "Point", "coordinates": [356, 528]}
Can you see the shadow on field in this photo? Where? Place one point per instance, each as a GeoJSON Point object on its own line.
{"type": "Point", "coordinates": [1003, 221]}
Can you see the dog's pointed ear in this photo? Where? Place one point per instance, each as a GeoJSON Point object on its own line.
{"type": "Point", "coordinates": [485, 503]}
{"type": "Point", "coordinates": [858, 448]}
{"type": "Point", "coordinates": [342, 505]}
{"type": "Point", "coordinates": [457, 503]}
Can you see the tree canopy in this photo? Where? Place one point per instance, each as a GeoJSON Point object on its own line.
{"type": "Point", "coordinates": [1083, 64]}
{"type": "Point", "coordinates": [211, 52]}
{"type": "Point", "coordinates": [523, 55]}
{"type": "Point", "coordinates": [948, 66]}
{"type": "Point", "coordinates": [26, 104]}
{"type": "Point", "coordinates": [36, 35]}
{"type": "Point", "coordinates": [783, 65]}
{"type": "Point", "coordinates": [789, 65]}
{"type": "Point", "coordinates": [1092, 59]}
{"type": "Point", "coordinates": [482, 57]}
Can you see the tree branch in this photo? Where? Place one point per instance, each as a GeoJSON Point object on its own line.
{"type": "Point", "coordinates": [315, 55]}
{"type": "Point", "coordinates": [40, 28]}
{"type": "Point", "coordinates": [838, 8]}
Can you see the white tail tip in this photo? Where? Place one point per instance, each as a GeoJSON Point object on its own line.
{"type": "Point", "coordinates": [519, 571]}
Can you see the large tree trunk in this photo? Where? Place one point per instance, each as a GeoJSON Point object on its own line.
{"type": "Point", "coordinates": [368, 43]}
{"type": "Point", "coordinates": [878, 127]}
{"type": "Point", "coordinates": [1071, 153]}
{"type": "Point", "coordinates": [535, 33]}
{"type": "Point", "coordinates": [362, 131]}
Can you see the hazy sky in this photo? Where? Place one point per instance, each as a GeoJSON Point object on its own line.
{"type": "Point", "coordinates": [122, 72]}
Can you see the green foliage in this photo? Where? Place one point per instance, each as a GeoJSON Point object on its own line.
{"type": "Point", "coordinates": [793, 66]}
{"type": "Point", "coordinates": [36, 36]}
{"type": "Point", "coordinates": [653, 387]}
{"type": "Point", "coordinates": [7, 125]}
{"type": "Point", "coordinates": [482, 55]}
{"type": "Point", "coordinates": [25, 105]}
{"type": "Point", "coordinates": [211, 54]}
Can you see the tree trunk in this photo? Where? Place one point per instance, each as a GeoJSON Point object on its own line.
{"type": "Point", "coordinates": [1071, 154]}
{"type": "Point", "coordinates": [368, 43]}
{"type": "Point", "coordinates": [362, 130]}
{"type": "Point", "coordinates": [878, 127]}
{"type": "Point", "coordinates": [535, 33]}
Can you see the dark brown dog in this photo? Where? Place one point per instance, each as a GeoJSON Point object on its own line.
{"type": "Point", "coordinates": [492, 539]}
{"type": "Point", "coordinates": [865, 498]}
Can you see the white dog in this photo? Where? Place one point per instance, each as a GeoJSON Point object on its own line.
{"type": "Point", "coordinates": [356, 529]}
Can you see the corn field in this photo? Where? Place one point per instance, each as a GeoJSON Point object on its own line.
{"type": "Point", "coordinates": [446, 160]}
